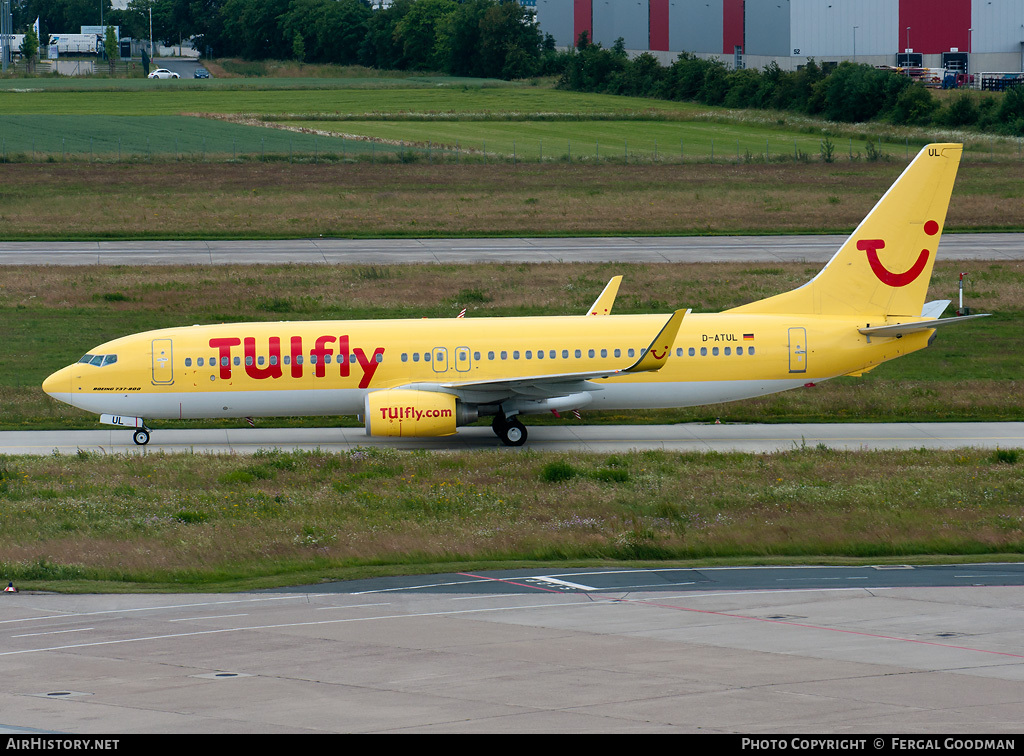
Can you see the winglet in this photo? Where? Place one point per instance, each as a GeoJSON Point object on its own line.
{"type": "Point", "coordinates": [656, 355]}
{"type": "Point", "coordinates": [603, 304]}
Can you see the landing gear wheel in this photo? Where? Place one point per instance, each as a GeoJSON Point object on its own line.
{"type": "Point", "coordinates": [513, 434]}
{"type": "Point", "coordinates": [141, 436]}
{"type": "Point", "coordinates": [499, 424]}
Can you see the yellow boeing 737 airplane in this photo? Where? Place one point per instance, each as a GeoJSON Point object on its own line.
{"type": "Point", "coordinates": [426, 377]}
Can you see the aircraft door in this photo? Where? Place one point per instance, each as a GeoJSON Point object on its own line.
{"type": "Point", "coordinates": [440, 360]}
{"type": "Point", "coordinates": [163, 363]}
{"type": "Point", "coordinates": [463, 362]}
{"type": "Point", "coordinates": [798, 350]}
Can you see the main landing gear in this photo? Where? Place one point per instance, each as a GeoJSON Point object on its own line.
{"type": "Point", "coordinates": [509, 430]}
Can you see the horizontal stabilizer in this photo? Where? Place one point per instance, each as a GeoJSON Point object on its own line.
{"type": "Point", "coordinates": [902, 329]}
{"type": "Point", "coordinates": [935, 309]}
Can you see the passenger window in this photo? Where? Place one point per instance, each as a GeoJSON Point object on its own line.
{"type": "Point", "coordinates": [415, 356]}
{"type": "Point", "coordinates": [618, 352]}
{"type": "Point", "coordinates": [750, 351]}
{"type": "Point", "coordinates": [739, 350]}
{"type": "Point", "coordinates": [590, 353]}
{"type": "Point", "coordinates": [188, 362]}
{"type": "Point", "coordinates": [578, 354]}
{"type": "Point", "coordinates": [515, 354]}
{"type": "Point", "coordinates": [529, 354]}
{"type": "Point", "coordinates": [199, 362]}
{"type": "Point", "coordinates": [604, 352]}
{"type": "Point", "coordinates": [476, 356]}
{"type": "Point", "coordinates": [248, 360]}
{"type": "Point", "coordinates": [565, 354]}
{"type": "Point", "coordinates": [703, 351]}
{"type": "Point", "coordinates": [714, 351]}
{"type": "Point", "coordinates": [692, 351]}
{"type": "Point", "coordinates": [490, 355]}
{"type": "Point", "coordinates": [540, 354]}
{"type": "Point", "coordinates": [273, 359]}
{"type": "Point", "coordinates": [224, 361]}
{"type": "Point", "coordinates": [378, 358]}
{"type": "Point", "coordinates": [728, 351]}
{"type": "Point", "coordinates": [405, 356]}
{"type": "Point", "coordinates": [426, 356]}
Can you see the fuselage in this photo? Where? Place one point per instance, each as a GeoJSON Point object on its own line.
{"type": "Point", "coordinates": [328, 367]}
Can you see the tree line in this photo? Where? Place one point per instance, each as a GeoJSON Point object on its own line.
{"type": "Point", "coordinates": [849, 92]}
{"type": "Point", "coordinates": [480, 38]}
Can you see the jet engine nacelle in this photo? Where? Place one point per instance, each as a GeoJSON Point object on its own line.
{"type": "Point", "coordinates": [406, 412]}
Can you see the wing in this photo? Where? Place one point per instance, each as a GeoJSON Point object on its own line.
{"type": "Point", "coordinates": [603, 304]}
{"type": "Point", "coordinates": [549, 385]}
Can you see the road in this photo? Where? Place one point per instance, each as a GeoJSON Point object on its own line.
{"type": "Point", "coordinates": [812, 249]}
{"type": "Point", "coordinates": [751, 438]}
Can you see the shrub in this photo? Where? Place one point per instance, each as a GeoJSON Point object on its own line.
{"type": "Point", "coordinates": [558, 471]}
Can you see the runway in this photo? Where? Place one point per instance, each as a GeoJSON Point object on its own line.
{"type": "Point", "coordinates": [689, 249]}
{"type": "Point", "coordinates": [845, 651]}
{"type": "Point", "coordinates": [753, 438]}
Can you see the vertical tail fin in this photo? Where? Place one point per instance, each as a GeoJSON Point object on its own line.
{"type": "Point", "coordinates": [885, 266]}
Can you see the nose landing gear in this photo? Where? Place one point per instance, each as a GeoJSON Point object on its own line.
{"type": "Point", "coordinates": [141, 436]}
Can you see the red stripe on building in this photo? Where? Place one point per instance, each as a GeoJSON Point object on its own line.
{"type": "Point", "coordinates": [583, 20]}
{"type": "Point", "coordinates": [732, 25]}
{"type": "Point", "coordinates": [658, 24]}
{"type": "Point", "coordinates": [936, 26]}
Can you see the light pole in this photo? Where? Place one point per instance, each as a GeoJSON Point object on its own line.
{"type": "Point", "coordinates": [855, 43]}
{"type": "Point", "coordinates": [908, 39]}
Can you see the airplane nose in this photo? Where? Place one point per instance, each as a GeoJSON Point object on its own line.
{"type": "Point", "coordinates": [59, 383]}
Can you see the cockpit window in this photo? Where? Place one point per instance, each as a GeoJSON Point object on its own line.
{"type": "Point", "coordinates": [99, 360]}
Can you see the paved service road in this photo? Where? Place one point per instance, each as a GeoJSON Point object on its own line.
{"type": "Point", "coordinates": [597, 438]}
{"type": "Point", "coordinates": [813, 249]}
{"type": "Point", "coordinates": [885, 649]}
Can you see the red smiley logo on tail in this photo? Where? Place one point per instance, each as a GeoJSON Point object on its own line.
{"type": "Point", "coordinates": [886, 276]}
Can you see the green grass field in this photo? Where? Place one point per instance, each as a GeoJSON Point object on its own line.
{"type": "Point", "coordinates": [225, 522]}
{"type": "Point", "coordinates": [46, 119]}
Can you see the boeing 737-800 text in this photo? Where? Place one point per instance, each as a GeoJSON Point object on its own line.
{"type": "Point", "coordinates": [426, 377]}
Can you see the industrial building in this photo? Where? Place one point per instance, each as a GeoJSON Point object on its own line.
{"type": "Point", "coordinates": [967, 35]}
